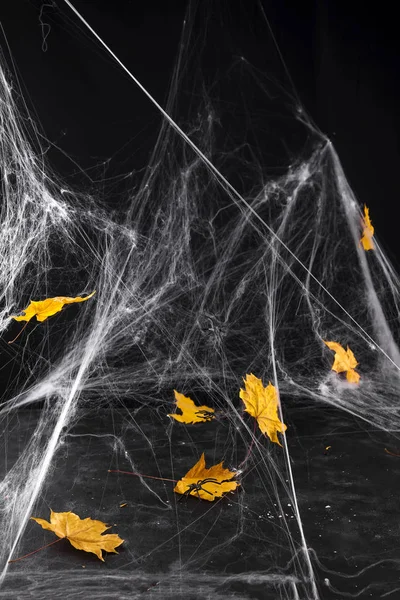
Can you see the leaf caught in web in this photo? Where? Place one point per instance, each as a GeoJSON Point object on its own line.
{"type": "Point", "coordinates": [42, 309]}
{"type": "Point", "coordinates": [262, 404]}
{"type": "Point", "coordinates": [344, 362]}
{"type": "Point", "coordinates": [206, 484]}
{"type": "Point", "coordinates": [83, 534]}
{"type": "Point", "coordinates": [368, 231]}
{"type": "Point", "coordinates": [190, 412]}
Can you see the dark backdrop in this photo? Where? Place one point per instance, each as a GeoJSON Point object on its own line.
{"type": "Point", "coordinates": [342, 57]}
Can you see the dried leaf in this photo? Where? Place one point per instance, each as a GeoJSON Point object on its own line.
{"type": "Point", "coordinates": [344, 362]}
{"type": "Point", "coordinates": [262, 404]}
{"type": "Point", "coordinates": [190, 412]}
{"type": "Point", "coordinates": [83, 534]}
{"type": "Point", "coordinates": [368, 231]}
{"type": "Point", "coordinates": [206, 484]}
{"type": "Point", "coordinates": [43, 309]}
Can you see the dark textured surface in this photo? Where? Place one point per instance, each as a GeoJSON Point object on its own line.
{"type": "Point", "coordinates": [238, 547]}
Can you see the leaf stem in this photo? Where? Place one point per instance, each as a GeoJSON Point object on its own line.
{"type": "Point", "coordinates": [17, 336]}
{"type": "Point", "coordinates": [139, 475]}
{"type": "Point", "coordinates": [34, 552]}
{"type": "Point", "coordinates": [391, 453]}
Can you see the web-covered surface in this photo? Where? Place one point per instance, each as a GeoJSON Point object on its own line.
{"type": "Point", "coordinates": [195, 289]}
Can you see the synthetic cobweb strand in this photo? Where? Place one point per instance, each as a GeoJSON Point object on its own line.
{"type": "Point", "coordinates": [381, 339]}
{"type": "Point", "coordinates": [28, 209]}
{"type": "Point", "coordinates": [240, 201]}
{"type": "Point", "coordinates": [37, 225]}
{"type": "Point", "coordinates": [183, 297]}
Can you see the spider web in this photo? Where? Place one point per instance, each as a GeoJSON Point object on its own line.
{"type": "Point", "coordinates": [218, 263]}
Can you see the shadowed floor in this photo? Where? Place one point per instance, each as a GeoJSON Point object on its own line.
{"type": "Point", "coordinates": [240, 546]}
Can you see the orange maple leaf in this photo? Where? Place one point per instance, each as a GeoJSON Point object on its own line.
{"type": "Point", "coordinates": [262, 404]}
{"type": "Point", "coordinates": [344, 362]}
{"type": "Point", "coordinates": [83, 534]}
{"type": "Point", "coordinates": [190, 412]}
{"type": "Point", "coordinates": [43, 309]}
{"type": "Point", "coordinates": [207, 484]}
{"type": "Point", "coordinates": [368, 231]}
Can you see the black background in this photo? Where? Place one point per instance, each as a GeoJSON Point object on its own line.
{"type": "Point", "coordinates": [342, 57]}
{"type": "Point", "coordinates": [343, 62]}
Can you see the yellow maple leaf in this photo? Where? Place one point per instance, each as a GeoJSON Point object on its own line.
{"type": "Point", "coordinates": [344, 361]}
{"type": "Point", "coordinates": [83, 534]}
{"type": "Point", "coordinates": [206, 484]}
{"type": "Point", "coordinates": [190, 412]}
{"type": "Point", "coordinates": [262, 404]}
{"type": "Point", "coordinates": [368, 231]}
{"type": "Point", "coordinates": [43, 309]}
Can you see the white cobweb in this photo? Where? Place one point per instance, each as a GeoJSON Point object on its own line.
{"type": "Point", "coordinates": [197, 283]}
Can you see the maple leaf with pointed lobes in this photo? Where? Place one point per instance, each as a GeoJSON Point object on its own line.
{"type": "Point", "coordinates": [262, 404]}
{"type": "Point", "coordinates": [344, 362]}
{"type": "Point", "coordinates": [83, 534]}
{"type": "Point", "coordinates": [368, 231]}
{"type": "Point", "coordinates": [190, 412]}
{"type": "Point", "coordinates": [42, 309]}
{"type": "Point", "coordinates": [207, 484]}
